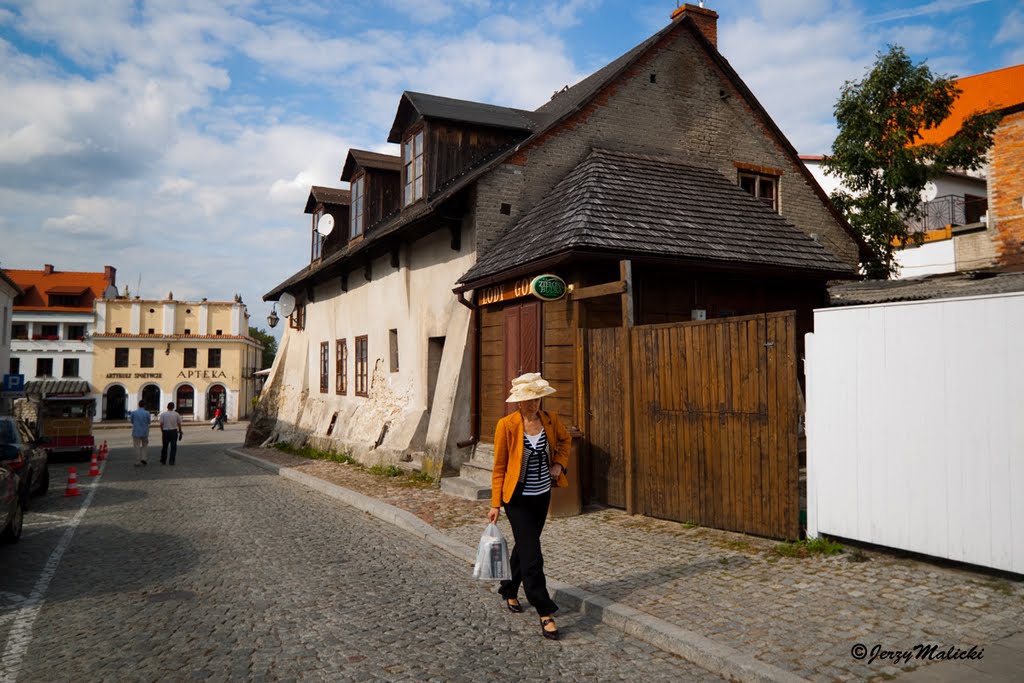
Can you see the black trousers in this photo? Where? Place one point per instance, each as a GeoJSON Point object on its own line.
{"type": "Point", "coordinates": [527, 515]}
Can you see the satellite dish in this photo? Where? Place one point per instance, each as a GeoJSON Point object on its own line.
{"type": "Point", "coordinates": [287, 304]}
{"type": "Point", "coordinates": [325, 225]}
{"type": "Point", "coordinates": [929, 192]}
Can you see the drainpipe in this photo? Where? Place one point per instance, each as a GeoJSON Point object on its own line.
{"type": "Point", "coordinates": [474, 416]}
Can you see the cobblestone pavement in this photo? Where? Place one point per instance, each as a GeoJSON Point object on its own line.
{"type": "Point", "coordinates": [215, 570]}
{"type": "Point", "coordinates": [803, 615]}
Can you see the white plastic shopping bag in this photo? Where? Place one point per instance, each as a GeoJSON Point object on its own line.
{"type": "Point", "coordinates": [492, 556]}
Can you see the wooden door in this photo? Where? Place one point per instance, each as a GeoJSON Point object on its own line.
{"type": "Point", "coordinates": [606, 465]}
{"type": "Point", "coordinates": [522, 342]}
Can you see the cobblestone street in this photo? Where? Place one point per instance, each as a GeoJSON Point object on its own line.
{"type": "Point", "coordinates": [215, 570]}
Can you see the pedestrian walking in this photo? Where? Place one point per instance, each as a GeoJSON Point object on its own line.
{"type": "Point", "coordinates": [531, 450]}
{"type": "Point", "coordinates": [140, 419]}
{"type": "Point", "coordinates": [170, 431]}
{"type": "Point", "coordinates": [218, 419]}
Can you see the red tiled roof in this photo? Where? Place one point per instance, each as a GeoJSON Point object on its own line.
{"type": "Point", "coordinates": [36, 284]}
{"type": "Point", "coordinates": [992, 90]}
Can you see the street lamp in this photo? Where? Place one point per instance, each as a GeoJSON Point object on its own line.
{"type": "Point", "coordinates": [272, 318]}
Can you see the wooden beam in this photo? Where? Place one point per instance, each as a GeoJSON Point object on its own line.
{"type": "Point", "coordinates": [368, 271]}
{"type": "Point", "coordinates": [626, 275]}
{"type": "Point", "coordinates": [607, 289]}
{"type": "Point", "coordinates": [395, 260]}
{"type": "Point", "coordinates": [344, 282]}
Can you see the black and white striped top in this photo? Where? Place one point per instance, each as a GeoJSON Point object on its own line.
{"type": "Point", "coordinates": [535, 475]}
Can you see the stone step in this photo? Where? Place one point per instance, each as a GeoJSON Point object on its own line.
{"type": "Point", "coordinates": [464, 488]}
{"type": "Point", "coordinates": [476, 470]}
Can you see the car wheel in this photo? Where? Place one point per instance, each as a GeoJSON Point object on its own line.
{"type": "Point", "coordinates": [12, 533]}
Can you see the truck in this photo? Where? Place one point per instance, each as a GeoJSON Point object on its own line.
{"type": "Point", "coordinates": [60, 413]}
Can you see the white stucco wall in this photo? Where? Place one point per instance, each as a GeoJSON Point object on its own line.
{"type": "Point", "coordinates": [416, 300]}
{"type": "Point", "coordinates": [29, 350]}
{"type": "Point", "coordinates": [6, 320]}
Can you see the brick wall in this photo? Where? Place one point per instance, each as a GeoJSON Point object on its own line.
{"type": "Point", "coordinates": [1006, 188]}
{"type": "Point", "coordinates": [690, 112]}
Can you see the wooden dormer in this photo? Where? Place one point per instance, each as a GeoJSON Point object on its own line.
{"type": "Point", "coordinates": [323, 201]}
{"type": "Point", "coordinates": [443, 138]}
{"type": "Point", "coordinates": [375, 182]}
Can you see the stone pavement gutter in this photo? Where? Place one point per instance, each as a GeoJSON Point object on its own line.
{"type": "Point", "coordinates": [724, 601]}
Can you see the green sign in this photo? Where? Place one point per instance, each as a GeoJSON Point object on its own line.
{"type": "Point", "coordinates": [548, 287]}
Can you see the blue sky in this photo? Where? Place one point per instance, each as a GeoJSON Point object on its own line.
{"type": "Point", "coordinates": [176, 140]}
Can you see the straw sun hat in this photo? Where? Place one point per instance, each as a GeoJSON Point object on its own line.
{"type": "Point", "coordinates": [528, 387]}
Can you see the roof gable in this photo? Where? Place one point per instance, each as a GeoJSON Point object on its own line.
{"type": "Point", "coordinates": [623, 203]}
{"type": "Point", "coordinates": [38, 285]}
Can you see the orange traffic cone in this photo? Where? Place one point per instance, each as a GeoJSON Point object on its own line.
{"type": "Point", "coordinates": [105, 449]}
{"type": "Point", "coordinates": [72, 489]}
{"type": "Point", "coordinates": [100, 454]}
{"type": "Point", "coordinates": [94, 468]}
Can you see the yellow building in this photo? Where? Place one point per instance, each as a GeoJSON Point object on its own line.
{"type": "Point", "coordinates": [198, 355]}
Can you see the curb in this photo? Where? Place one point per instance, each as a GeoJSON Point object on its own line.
{"type": "Point", "coordinates": [693, 647]}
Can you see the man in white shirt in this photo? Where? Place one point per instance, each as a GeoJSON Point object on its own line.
{"type": "Point", "coordinates": [170, 429]}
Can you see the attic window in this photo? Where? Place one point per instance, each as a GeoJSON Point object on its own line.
{"type": "Point", "coordinates": [412, 160]}
{"type": "Point", "coordinates": [317, 244]}
{"type": "Point", "coordinates": [355, 219]}
{"type": "Point", "coordinates": [762, 186]}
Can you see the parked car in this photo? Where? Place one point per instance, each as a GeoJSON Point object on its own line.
{"type": "Point", "coordinates": [12, 498]}
{"type": "Point", "coordinates": [22, 454]}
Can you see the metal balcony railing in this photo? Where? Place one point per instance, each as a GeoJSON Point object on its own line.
{"type": "Point", "coordinates": [949, 209]}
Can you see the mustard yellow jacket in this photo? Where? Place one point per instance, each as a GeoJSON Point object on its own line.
{"type": "Point", "coordinates": [508, 453]}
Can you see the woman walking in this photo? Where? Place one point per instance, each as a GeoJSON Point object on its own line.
{"type": "Point", "coordinates": [531, 450]}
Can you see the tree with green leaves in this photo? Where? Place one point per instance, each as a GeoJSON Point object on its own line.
{"type": "Point", "coordinates": [879, 156]}
{"type": "Point", "coordinates": [269, 345]}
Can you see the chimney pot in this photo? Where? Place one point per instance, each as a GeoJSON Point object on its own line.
{"type": "Point", "coordinates": [705, 19]}
{"type": "Point", "coordinates": [48, 269]}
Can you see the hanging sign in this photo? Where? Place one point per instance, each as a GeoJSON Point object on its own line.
{"type": "Point", "coordinates": [548, 287]}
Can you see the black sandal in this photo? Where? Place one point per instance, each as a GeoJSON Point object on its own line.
{"type": "Point", "coordinates": [550, 635]}
{"type": "Point", "coordinates": [513, 605]}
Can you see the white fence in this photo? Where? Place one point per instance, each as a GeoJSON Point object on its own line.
{"type": "Point", "coordinates": [915, 427]}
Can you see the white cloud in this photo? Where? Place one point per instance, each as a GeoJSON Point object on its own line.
{"type": "Point", "coordinates": [926, 9]}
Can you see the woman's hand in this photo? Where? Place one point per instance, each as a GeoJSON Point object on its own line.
{"type": "Point", "coordinates": [556, 471]}
{"type": "Point", "coordinates": [492, 515]}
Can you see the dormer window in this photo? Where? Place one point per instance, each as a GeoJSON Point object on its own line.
{"type": "Point", "coordinates": [412, 160]}
{"type": "Point", "coordinates": [355, 219]}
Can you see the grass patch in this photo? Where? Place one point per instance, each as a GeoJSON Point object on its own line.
{"type": "Point", "coordinates": [808, 547]}
{"type": "Point", "coordinates": [314, 453]}
{"type": "Point", "coordinates": [386, 470]}
{"type": "Point", "coordinates": [738, 546]}
{"type": "Point", "coordinates": [996, 584]}
{"type": "Point", "coordinates": [421, 478]}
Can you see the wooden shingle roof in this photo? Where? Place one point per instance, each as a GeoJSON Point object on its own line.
{"type": "Point", "coordinates": [632, 204]}
{"type": "Point", "coordinates": [326, 195]}
{"type": "Point", "coordinates": [463, 111]}
{"type": "Point", "coordinates": [364, 159]}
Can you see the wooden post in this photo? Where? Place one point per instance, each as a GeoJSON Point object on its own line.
{"type": "Point", "coordinates": [626, 276]}
{"type": "Point", "coordinates": [579, 316]}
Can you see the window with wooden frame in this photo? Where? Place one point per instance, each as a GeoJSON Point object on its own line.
{"type": "Point", "coordinates": [317, 245]}
{"type": "Point", "coordinates": [412, 160]}
{"type": "Point", "coordinates": [761, 186]}
{"type": "Point", "coordinates": [325, 365]}
{"type": "Point", "coordinates": [120, 357]}
{"type": "Point", "coordinates": [341, 366]}
{"type": "Point", "coordinates": [297, 320]}
{"type": "Point", "coordinates": [213, 358]}
{"type": "Point", "coordinates": [356, 212]}
{"type": "Point", "coordinates": [362, 367]}
{"type": "Point", "coordinates": [191, 360]}
{"type": "Point", "coordinates": [146, 359]}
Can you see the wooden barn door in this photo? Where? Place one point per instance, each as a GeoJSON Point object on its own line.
{"type": "Point", "coordinates": [522, 342]}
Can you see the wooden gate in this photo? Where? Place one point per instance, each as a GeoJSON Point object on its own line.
{"type": "Point", "coordinates": [715, 414]}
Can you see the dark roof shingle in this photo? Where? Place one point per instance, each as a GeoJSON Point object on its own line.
{"type": "Point", "coordinates": [465, 111]}
{"type": "Point", "coordinates": [365, 159]}
{"type": "Point", "coordinates": [326, 195]}
{"type": "Point", "coordinates": [627, 203]}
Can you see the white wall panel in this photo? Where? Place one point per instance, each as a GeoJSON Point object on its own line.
{"type": "Point", "coordinates": [915, 427]}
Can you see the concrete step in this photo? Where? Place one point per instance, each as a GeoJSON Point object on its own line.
{"type": "Point", "coordinates": [477, 470]}
{"type": "Point", "coordinates": [464, 488]}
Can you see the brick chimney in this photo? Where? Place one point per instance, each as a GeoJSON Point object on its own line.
{"type": "Point", "coordinates": [706, 20]}
{"type": "Point", "coordinates": [110, 275]}
{"type": "Point", "coordinates": [48, 269]}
